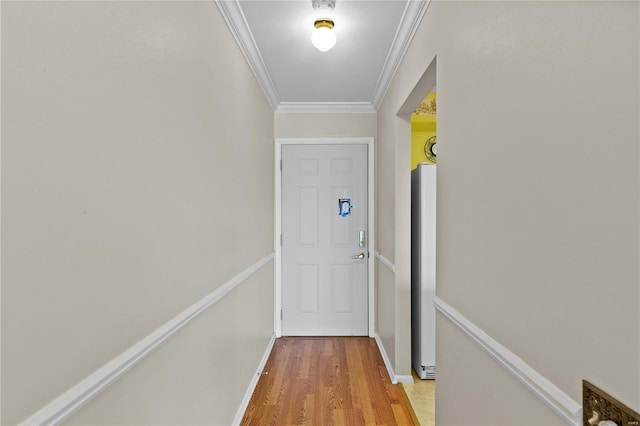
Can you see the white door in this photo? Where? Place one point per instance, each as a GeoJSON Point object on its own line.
{"type": "Point", "coordinates": [324, 244]}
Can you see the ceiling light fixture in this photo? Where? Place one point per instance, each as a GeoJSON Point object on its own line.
{"type": "Point", "coordinates": [323, 4]}
{"type": "Point", "coordinates": [323, 37]}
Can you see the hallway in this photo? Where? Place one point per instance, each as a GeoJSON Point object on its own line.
{"type": "Point", "coordinates": [141, 268]}
{"type": "Point", "coordinates": [326, 381]}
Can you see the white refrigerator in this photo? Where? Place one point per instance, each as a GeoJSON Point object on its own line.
{"type": "Point", "coordinates": [423, 270]}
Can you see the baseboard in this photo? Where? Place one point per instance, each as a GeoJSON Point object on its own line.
{"type": "Point", "coordinates": [386, 262]}
{"type": "Point", "coordinates": [254, 382]}
{"type": "Point", "coordinates": [559, 402]}
{"type": "Point", "coordinates": [385, 358]}
{"type": "Point", "coordinates": [395, 378]}
{"type": "Point", "coordinates": [74, 398]}
{"type": "Point", "coordinates": [404, 378]}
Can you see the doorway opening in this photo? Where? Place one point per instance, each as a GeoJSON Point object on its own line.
{"type": "Point", "coordinates": [417, 139]}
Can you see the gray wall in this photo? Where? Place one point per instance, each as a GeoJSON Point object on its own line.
{"type": "Point", "coordinates": [324, 125]}
{"type": "Point", "coordinates": [133, 176]}
{"type": "Point", "coordinates": [538, 197]}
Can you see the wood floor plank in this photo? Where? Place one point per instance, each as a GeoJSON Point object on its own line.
{"type": "Point", "coordinates": [326, 381]}
{"type": "Point", "coordinates": [359, 382]}
{"type": "Point", "coordinates": [306, 359]}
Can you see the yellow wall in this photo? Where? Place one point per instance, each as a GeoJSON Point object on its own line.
{"type": "Point", "coordinates": [422, 128]}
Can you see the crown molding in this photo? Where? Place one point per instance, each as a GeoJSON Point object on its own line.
{"type": "Point", "coordinates": [325, 107]}
{"type": "Point", "coordinates": [235, 19]}
{"type": "Point", "coordinates": [409, 23]}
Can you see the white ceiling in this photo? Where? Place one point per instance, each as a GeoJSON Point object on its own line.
{"type": "Point", "coordinates": [275, 36]}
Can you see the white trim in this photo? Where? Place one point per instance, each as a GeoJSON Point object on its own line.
{"type": "Point", "coordinates": [74, 398]}
{"type": "Point", "coordinates": [254, 382]}
{"type": "Point", "coordinates": [277, 240]}
{"type": "Point", "coordinates": [407, 379]}
{"type": "Point", "coordinates": [409, 24]}
{"type": "Point", "coordinates": [386, 262]}
{"type": "Point", "coordinates": [278, 219]}
{"type": "Point", "coordinates": [395, 378]}
{"type": "Point", "coordinates": [325, 107]}
{"type": "Point", "coordinates": [385, 358]}
{"type": "Point", "coordinates": [565, 407]}
{"type": "Point", "coordinates": [234, 17]}
{"type": "Point", "coordinates": [371, 225]}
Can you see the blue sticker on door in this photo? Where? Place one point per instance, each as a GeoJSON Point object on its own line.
{"type": "Point", "coordinates": [344, 206]}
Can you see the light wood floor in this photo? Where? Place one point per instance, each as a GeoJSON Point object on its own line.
{"type": "Point", "coordinates": [326, 381]}
{"type": "Point", "coordinates": [421, 396]}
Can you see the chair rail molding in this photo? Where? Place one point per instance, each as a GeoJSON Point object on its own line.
{"type": "Point", "coordinates": [566, 408]}
{"type": "Point", "coordinates": [77, 396]}
{"type": "Point", "coordinates": [386, 262]}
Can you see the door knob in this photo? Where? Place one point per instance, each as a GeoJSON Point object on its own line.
{"type": "Point", "coordinates": [358, 256]}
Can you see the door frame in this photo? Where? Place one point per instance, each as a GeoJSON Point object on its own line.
{"type": "Point", "coordinates": [277, 302]}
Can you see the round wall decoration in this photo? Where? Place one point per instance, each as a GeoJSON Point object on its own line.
{"type": "Point", "coordinates": [430, 149]}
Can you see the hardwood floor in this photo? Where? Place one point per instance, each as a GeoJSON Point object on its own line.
{"type": "Point", "coordinates": [326, 381]}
